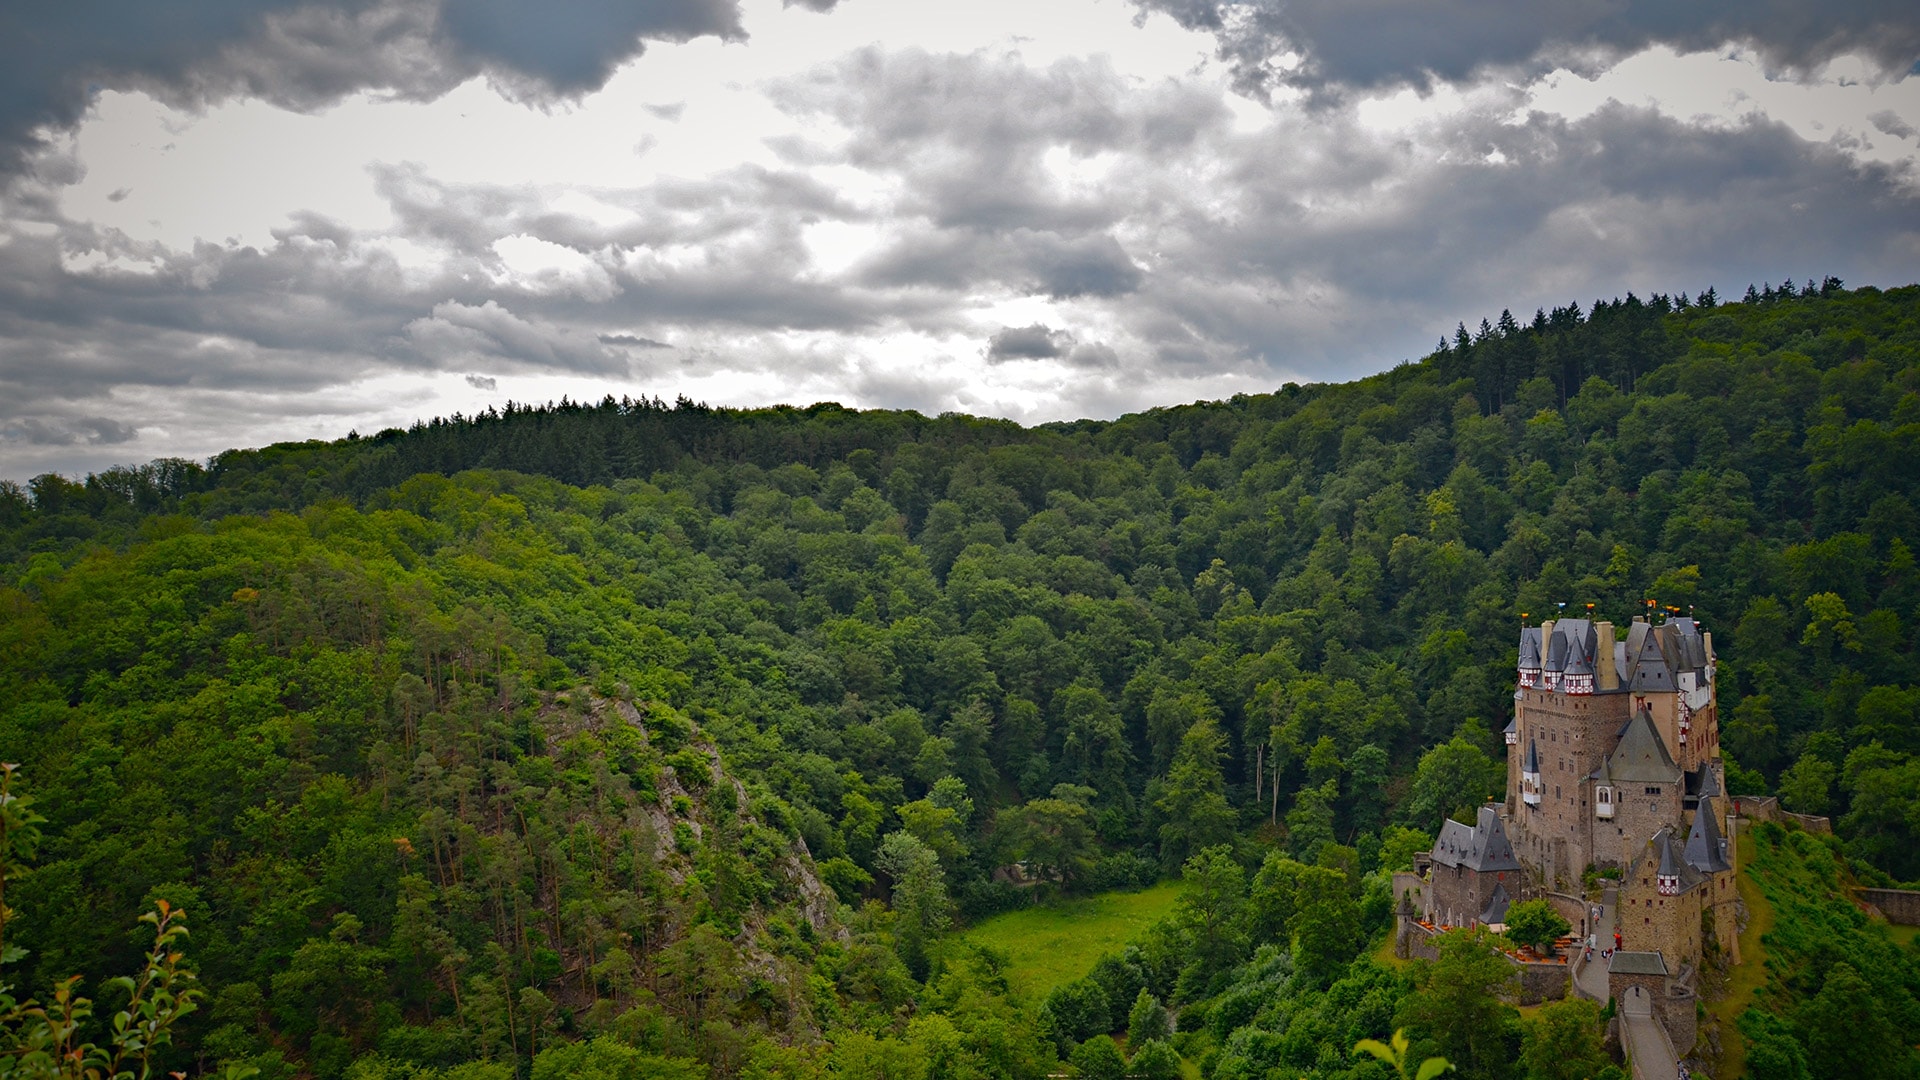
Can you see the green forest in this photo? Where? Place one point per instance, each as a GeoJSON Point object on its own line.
{"type": "Point", "coordinates": [643, 740]}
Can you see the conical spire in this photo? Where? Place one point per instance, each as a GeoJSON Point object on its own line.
{"type": "Point", "coordinates": [1669, 867]}
{"type": "Point", "coordinates": [1705, 851]}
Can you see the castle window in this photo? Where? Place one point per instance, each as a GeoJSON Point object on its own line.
{"type": "Point", "coordinates": [1653, 791]}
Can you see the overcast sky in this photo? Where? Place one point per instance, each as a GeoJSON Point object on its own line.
{"type": "Point", "coordinates": [233, 222]}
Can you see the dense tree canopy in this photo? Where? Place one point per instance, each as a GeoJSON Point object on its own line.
{"type": "Point", "coordinates": [618, 725]}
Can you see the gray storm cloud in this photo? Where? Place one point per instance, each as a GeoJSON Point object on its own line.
{"type": "Point", "coordinates": [1371, 43]}
{"type": "Point", "coordinates": [302, 54]}
{"type": "Point", "coordinates": [1185, 245]}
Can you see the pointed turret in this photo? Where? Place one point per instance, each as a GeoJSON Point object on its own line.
{"type": "Point", "coordinates": [1667, 877]}
{"type": "Point", "coordinates": [1530, 659]}
{"type": "Point", "coordinates": [1706, 852]}
{"type": "Point", "coordinates": [1577, 675]}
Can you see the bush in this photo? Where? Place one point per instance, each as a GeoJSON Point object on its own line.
{"type": "Point", "coordinates": [845, 878]}
{"type": "Point", "coordinates": [691, 767]}
{"type": "Point", "coordinates": [1099, 1059]}
{"type": "Point", "coordinates": [1155, 1060]}
{"type": "Point", "coordinates": [1121, 870]}
{"type": "Point", "coordinates": [977, 898]}
{"type": "Point", "coordinates": [1075, 1012]}
{"type": "Point", "coordinates": [1535, 923]}
{"type": "Point", "coordinates": [1147, 1019]}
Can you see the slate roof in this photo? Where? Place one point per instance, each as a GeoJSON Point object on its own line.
{"type": "Point", "coordinates": [1703, 783]}
{"type": "Point", "coordinates": [1690, 649]}
{"type": "Point", "coordinates": [1484, 847]}
{"type": "Point", "coordinates": [1650, 672]}
{"type": "Point", "coordinates": [1582, 646]}
{"type": "Point", "coordinates": [1706, 851]}
{"type": "Point", "coordinates": [1637, 963]}
{"type": "Point", "coordinates": [1640, 757]}
{"type": "Point", "coordinates": [1497, 905]}
{"type": "Point", "coordinates": [1637, 633]}
{"type": "Point", "coordinates": [1670, 862]}
{"type": "Point", "coordinates": [1571, 649]}
{"type": "Point", "coordinates": [1530, 648]}
{"type": "Point", "coordinates": [1532, 764]}
{"type": "Point", "coordinates": [1556, 650]}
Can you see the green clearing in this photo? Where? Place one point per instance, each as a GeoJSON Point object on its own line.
{"type": "Point", "coordinates": [1060, 942]}
{"type": "Point", "coordinates": [1751, 973]}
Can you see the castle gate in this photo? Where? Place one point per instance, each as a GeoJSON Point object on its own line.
{"type": "Point", "coordinates": [1637, 1003]}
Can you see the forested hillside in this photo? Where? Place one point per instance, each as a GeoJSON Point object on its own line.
{"type": "Point", "coordinates": [476, 742]}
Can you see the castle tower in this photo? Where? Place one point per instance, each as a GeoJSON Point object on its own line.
{"type": "Point", "coordinates": [1613, 742]}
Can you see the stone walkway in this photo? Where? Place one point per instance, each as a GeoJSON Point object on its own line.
{"type": "Point", "coordinates": [1650, 1049]}
{"type": "Point", "coordinates": [1644, 1037]}
{"type": "Point", "coordinates": [1592, 975]}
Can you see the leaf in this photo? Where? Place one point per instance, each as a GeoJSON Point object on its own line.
{"type": "Point", "coordinates": [1377, 1049]}
{"type": "Point", "coordinates": [1432, 1067]}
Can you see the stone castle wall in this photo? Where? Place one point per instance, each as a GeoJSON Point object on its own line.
{"type": "Point", "coordinates": [1572, 733]}
{"type": "Point", "coordinates": [1669, 925]}
{"type": "Point", "coordinates": [1767, 808]}
{"type": "Point", "coordinates": [1533, 982]}
{"type": "Point", "coordinates": [1900, 906]}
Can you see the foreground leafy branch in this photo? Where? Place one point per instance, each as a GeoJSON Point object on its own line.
{"type": "Point", "coordinates": [1396, 1056]}
{"type": "Point", "coordinates": [47, 1042]}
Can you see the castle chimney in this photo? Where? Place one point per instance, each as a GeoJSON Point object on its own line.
{"type": "Point", "coordinates": [1707, 638]}
{"type": "Point", "coordinates": [1546, 639]}
{"type": "Point", "coordinates": [1606, 673]}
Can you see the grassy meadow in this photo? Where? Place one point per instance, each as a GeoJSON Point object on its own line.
{"type": "Point", "coordinates": [1059, 942]}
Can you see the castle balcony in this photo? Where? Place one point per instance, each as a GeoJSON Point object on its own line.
{"type": "Point", "coordinates": [1530, 677]}
{"type": "Point", "coordinates": [1603, 802]}
{"type": "Point", "coordinates": [1577, 684]}
{"type": "Point", "coordinates": [1667, 884]}
{"type": "Point", "coordinates": [1530, 789]}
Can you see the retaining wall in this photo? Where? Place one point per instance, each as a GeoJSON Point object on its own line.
{"type": "Point", "coordinates": [1533, 982]}
{"type": "Point", "coordinates": [1767, 808]}
{"type": "Point", "coordinates": [1900, 906]}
